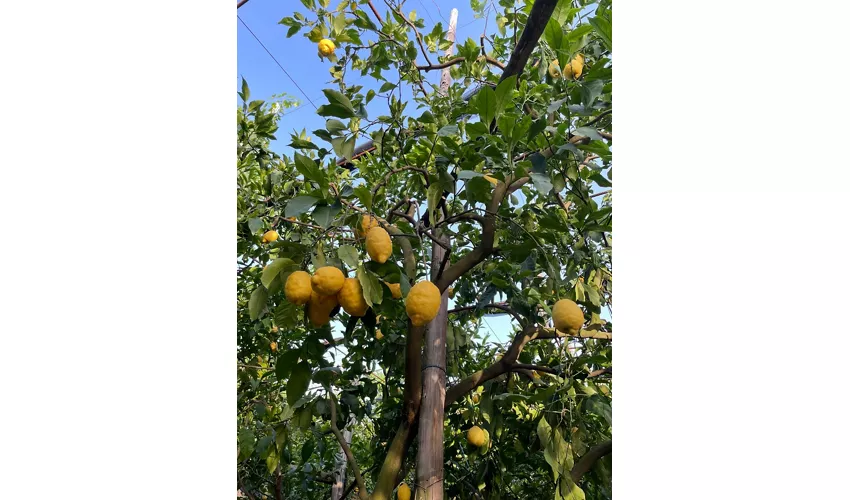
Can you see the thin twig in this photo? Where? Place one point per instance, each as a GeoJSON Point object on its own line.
{"type": "Point", "coordinates": [345, 449]}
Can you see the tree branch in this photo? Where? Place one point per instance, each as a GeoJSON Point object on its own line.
{"type": "Point", "coordinates": [415, 31]}
{"type": "Point", "coordinates": [241, 3]}
{"type": "Point", "coordinates": [540, 13]}
{"type": "Point", "coordinates": [458, 60]}
{"type": "Point", "coordinates": [495, 305]}
{"type": "Point", "coordinates": [488, 233]}
{"type": "Point", "coordinates": [585, 463]}
{"type": "Point", "coordinates": [375, 11]}
{"type": "Point", "coordinates": [364, 495]}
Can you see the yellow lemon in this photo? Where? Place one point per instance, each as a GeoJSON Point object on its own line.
{"type": "Point", "coordinates": [378, 244]}
{"type": "Point", "coordinates": [298, 288]}
{"type": "Point", "coordinates": [574, 69]}
{"type": "Point", "coordinates": [273, 346]}
{"type": "Point", "coordinates": [366, 223]}
{"type": "Point", "coordinates": [326, 47]}
{"type": "Point", "coordinates": [327, 280]}
{"type": "Point", "coordinates": [555, 69]}
{"type": "Point", "coordinates": [378, 334]}
{"type": "Point", "coordinates": [395, 288]}
{"type": "Point", "coordinates": [423, 301]}
{"type": "Point", "coordinates": [320, 307]}
{"type": "Point", "coordinates": [567, 316]}
{"type": "Point", "coordinates": [476, 397]}
{"type": "Point", "coordinates": [351, 297]}
{"type": "Point", "coordinates": [491, 180]}
{"type": "Point", "coordinates": [403, 492]}
{"type": "Point", "coordinates": [270, 236]}
{"type": "Point", "coordinates": [476, 436]}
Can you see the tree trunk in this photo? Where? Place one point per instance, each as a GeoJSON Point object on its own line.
{"type": "Point", "coordinates": [339, 473]}
{"type": "Point", "coordinates": [429, 462]}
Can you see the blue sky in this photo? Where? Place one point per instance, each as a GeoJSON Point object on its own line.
{"type": "Point", "coordinates": [299, 57]}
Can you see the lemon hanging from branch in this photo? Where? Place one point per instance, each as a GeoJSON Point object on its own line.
{"type": "Point", "coordinates": [351, 297]}
{"type": "Point", "coordinates": [327, 280]}
{"type": "Point", "coordinates": [298, 288]}
{"type": "Point", "coordinates": [270, 236]}
{"type": "Point", "coordinates": [423, 302]}
{"type": "Point", "coordinates": [378, 244]}
{"type": "Point", "coordinates": [567, 316]}
{"type": "Point", "coordinates": [326, 47]}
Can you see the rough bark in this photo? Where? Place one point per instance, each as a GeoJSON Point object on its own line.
{"type": "Point", "coordinates": [585, 463]}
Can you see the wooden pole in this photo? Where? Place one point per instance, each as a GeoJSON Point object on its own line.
{"type": "Point", "coordinates": [429, 461]}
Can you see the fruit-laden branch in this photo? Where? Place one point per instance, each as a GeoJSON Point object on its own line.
{"type": "Point", "coordinates": [508, 362]}
{"type": "Point", "coordinates": [345, 449]}
{"type": "Point", "coordinates": [488, 232]}
{"type": "Point", "coordinates": [458, 60]}
{"type": "Point", "coordinates": [585, 463]}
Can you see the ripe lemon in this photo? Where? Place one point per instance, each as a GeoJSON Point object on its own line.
{"type": "Point", "coordinates": [366, 223]}
{"type": "Point", "coordinates": [298, 288]}
{"type": "Point", "coordinates": [270, 236]}
{"type": "Point", "coordinates": [423, 301]}
{"type": "Point", "coordinates": [327, 280]}
{"type": "Point", "coordinates": [395, 288]}
{"type": "Point", "coordinates": [403, 492]}
{"type": "Point", "coordinates": [326, 47]}
{"type": "Point", "coordinates": [476, 436]}
{"type": "Point", "coordinates": [378, 334]}
{"type": "Point", "coordinates": [351, 297]}
{"type": "Point", "coordinates": [555, 69]}
{"type": "Point", "coordinates": [378, 244]}
{"type": "Point", "coordinates": [567, 316]}
{"type": "Point", "coordinates": [273, 346]}
{"type": "Point", "coordinates": [574, 69]}
{"type": "Point", "coordinates": [320, 307]}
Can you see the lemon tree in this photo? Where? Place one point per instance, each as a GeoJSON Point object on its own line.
{"type": "Point", "coordinates": [372, 252]}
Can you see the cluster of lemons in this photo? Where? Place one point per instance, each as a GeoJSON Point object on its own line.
{"type": "Point", "coordinates": [571, 72]}
{"type": "Point", "coordinates": [328, 287]}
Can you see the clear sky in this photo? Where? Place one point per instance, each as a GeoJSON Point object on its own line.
{"type": "Point", "coordinates": [299, 58]}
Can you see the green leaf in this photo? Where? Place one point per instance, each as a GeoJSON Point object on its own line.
{"type": "Point", "coordinates": [372, 291]}
{"type": "Point", "coordinates": [334, 126]}
{"type": "Point", "coordinates": [447, 131]}
{"type": "Point", "coordinates": [344, 147]}
{"type": "Point", "coordinates": [247, 441]}
{"type": "Point", "coordinates": [302, 144]}
{"type": "Point", "coordinates": [272, 459]}
{"type": "Point", "coordinates": [487, 105]}
{"type": "Point", "coordinates": [579, 32]}
{"type": "Point", "coordinates": [554, 34]}
{"type": "Point", "coordinates": [348, 255]}
{"type": "Point", "coordinates": [386, 86]}
{"type": "Point", "coordinates": [272, 270]}
{"type": "Point", "coordinates": [324, 214]}
{"type": "Point", "coordinates": [603, 28]}
{"type": "Point", "coordinates": [257, 302]}
{"type": "Point", "coordinates": [299, 205]}
{"type": "Point", "coordinates": [590, 91]}
{"type": "Point", "coordinates": [588, 132]}
{"type": "Point", "coordinates": [335, 110]}
{"type": "Point", "coordinates": [504, 94]}
{"type": "Point", "coordinates": [246, 93]}
{"type": "Point", "coordinates": [468, 174]}
{"type": "Point", "coordinates": [538, 126]}
{"type": "Point", "coordinates": [255, 224]}
{"type": "Point", "coordinates": [338, 98]}
{"type": "Point", "coordinates": [285, 362]}
{"type": "Point", "coordinates": [298, 382]}
{"type": "Point", "coordinates": [286, 314]}
{"type": "Point", "coordinates": [364, 194]}
{"type": "Point", "coordinates": [306, 166]}
{"type": "Point", "coordinates": [597, 147]}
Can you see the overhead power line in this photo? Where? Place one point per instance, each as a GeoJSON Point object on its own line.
{"type": "Point", "coordinates": [278, 64]}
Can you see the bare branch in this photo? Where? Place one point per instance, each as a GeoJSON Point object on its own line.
{"type": "Point", "coordinates": [241, 3]}
{"type": "Point", "coordinates": [585, 463]}
{"type": "Point", "coordinates": [503, 306]}
{"type": "Point", "coordinates": [415, 31]}
{"type": "Point", "coordinates": [364, 495]}
{"type": "Point", "coordinates": [598, 117]}
{"type": "Point", "coordinates": [375, 11]}
{"type": "Point", "coordinates": [458, 60]}
{"type": "Point", "coordinates": [540, 13]}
